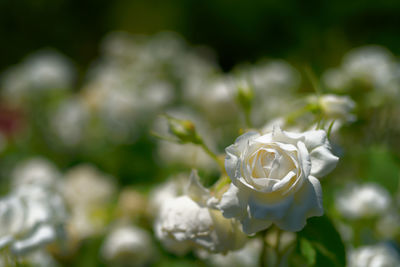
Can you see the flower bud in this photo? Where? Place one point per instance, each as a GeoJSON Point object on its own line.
{"type": "Point", "coordinates": [185, 130]}
{"type": "Point", "coordinates": [245, 95]}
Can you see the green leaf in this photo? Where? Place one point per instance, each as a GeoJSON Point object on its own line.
{"type": "Point", "coordinates": [324, 239]}
{"type": "Point", "coordinates": [308, 251]}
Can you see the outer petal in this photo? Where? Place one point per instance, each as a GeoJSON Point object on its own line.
{"type": "Point", "coordinates": [314, 139]}
{"type": "Point", "coordinates": [234, 151]}
{"type": "Point", "coordinates": [233, 202]}
{"type": "Point", "coordinates": [307, 203]}
{"type": "Point", "coordinates": [304, 158]}
{"type": "Point", "coordinates": [43, 235]}
{"type": "Point", "coordinates": [311, 139]}
{"type": "Point", "coordinates": [269, 211]}
{"type": "Point", "coordinates": [195, 190]}
{"type": "Point", "coordinates": [252, 225]}
{"type": "Point", "coordinates": [322, 161]}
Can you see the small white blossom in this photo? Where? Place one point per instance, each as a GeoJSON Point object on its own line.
{"type": "Point", "coordinates": [86, 204]}
{"type": "Point", "coordinates": [248, 256]}
{"type": "Point", "coordinates": [42, 71]}
{"type": "Point", "coordinates": [374, 256]}
{"type": "Point", "coordinates": [128, 245]}
{"type": "Point", "coordinates": [69, 122]}
{"type": "Point", "coordinates": [36, 171]}
{"type": "Point", "coordinates": [337, 107]}
{"type": "Point", "coordinates": [361, 201]}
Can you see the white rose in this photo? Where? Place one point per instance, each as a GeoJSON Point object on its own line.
{"type": "Point", "coordinates": [128, 245]}
{"type": "Point", "coordinates": [274, 179]}
{"type": "Point", "coordinates": [374, 256]}
{"type": "Point", "coordinates": [30, 218]}
{"type": "Point", "coordinates": [188, 221]}
{"type": "Point", "coordinates": [358, 201]}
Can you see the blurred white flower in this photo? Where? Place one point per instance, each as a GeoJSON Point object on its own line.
{"type": "Point", "coordinates": [41, 71]}
{"type": "Point", "coordinates": [274, 83]}
{"type": "Point", "coordinates": [337, 107]}
{"type": "Point", "coordinates": [38, 258]}
{"type": "Point", "coordinates": [31, 216]}
{"type": "Point", "coordinates": [36, 171]}
{"type": "Point", "coordinates": [373, 66]}
{"type": "Point", "coordinates": [125, 94]}
{"type": "Point", "coordinates": [372, 63]}
{"type": "Point", "coordinates": [128, 245]}
{"type": "Point", "coordinates": [247, 256]}
{"type": "Point", "coordinates": [185, 154]}
{"type": "Point", "coordinates": [69, 121]}
{"type": "Point", "coordinates": [273, 76]}
{"type": "Point", "coordinates": [336, 79]}
{"type": "Point", "coordinates": [362, 201]}
{"type": "Point", "coordinates": [187, 222]}
{"type": "Point", "coordinates": [87, 192]}
{"type": "Point", "coordinates": [388, 225]}
{"type": "Point", "coordinates": [215, 97]}
{"type": "Point", "coordinates": [274, 178]}
{"type": "Point", "coordinates": [374, 256]}
{"type": "Point", "coordinates": [131, 204]}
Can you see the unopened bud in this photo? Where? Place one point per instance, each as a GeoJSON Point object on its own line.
{"type": "Point", "coordinates": [245, 96]}
{"type": "Point", "coordinates": [185, 130]}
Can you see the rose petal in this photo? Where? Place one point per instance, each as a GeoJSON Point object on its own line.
{"type": "Point", "coordinates": [271, 210]}
{"type": "Point", "coordinates": [195, 190]}
{"type": "Point", "coordinates": [234, 151]}
{"type": "Point", "coordinates": [251, 225]}
{"type": "Point", "coordinates": [304, 159]}
{"type": "Point", "coordinates": [233, 202]}
{"type": "Point", "coordinates": [315, 139]}
{"type": "Point", "coordinates": [43, 235]}
{"type": "Point", "coordinates": [307, 203]}
{"type": "Point", "coordinates": [322, 161]}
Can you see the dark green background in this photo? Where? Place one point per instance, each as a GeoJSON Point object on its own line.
{"type": "Point", "coordinates": [313, 32]}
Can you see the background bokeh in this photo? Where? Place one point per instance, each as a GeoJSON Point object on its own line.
{"type": "Point", "coordinates": [91, 119]}
{"type": "Point", "coordinates": [311, 32]}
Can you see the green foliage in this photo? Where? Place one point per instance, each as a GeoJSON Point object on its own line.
{"type": "Point", "coordinates": [381, 167]}
{"type": "Point", "coordinates": [308, 251]}
{"type": "Point", "coordinates": [320, 244]}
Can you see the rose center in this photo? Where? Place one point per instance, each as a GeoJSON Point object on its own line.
{"type": "Point", "coordinates": [270, 163]}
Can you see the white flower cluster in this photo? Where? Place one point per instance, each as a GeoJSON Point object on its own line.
{"type": "Point", "coordinates": [134, 80]}
{"type": "Point", "coordinates": [371, 66]}
{"type": "Point", "coordinates": [46, 70]}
